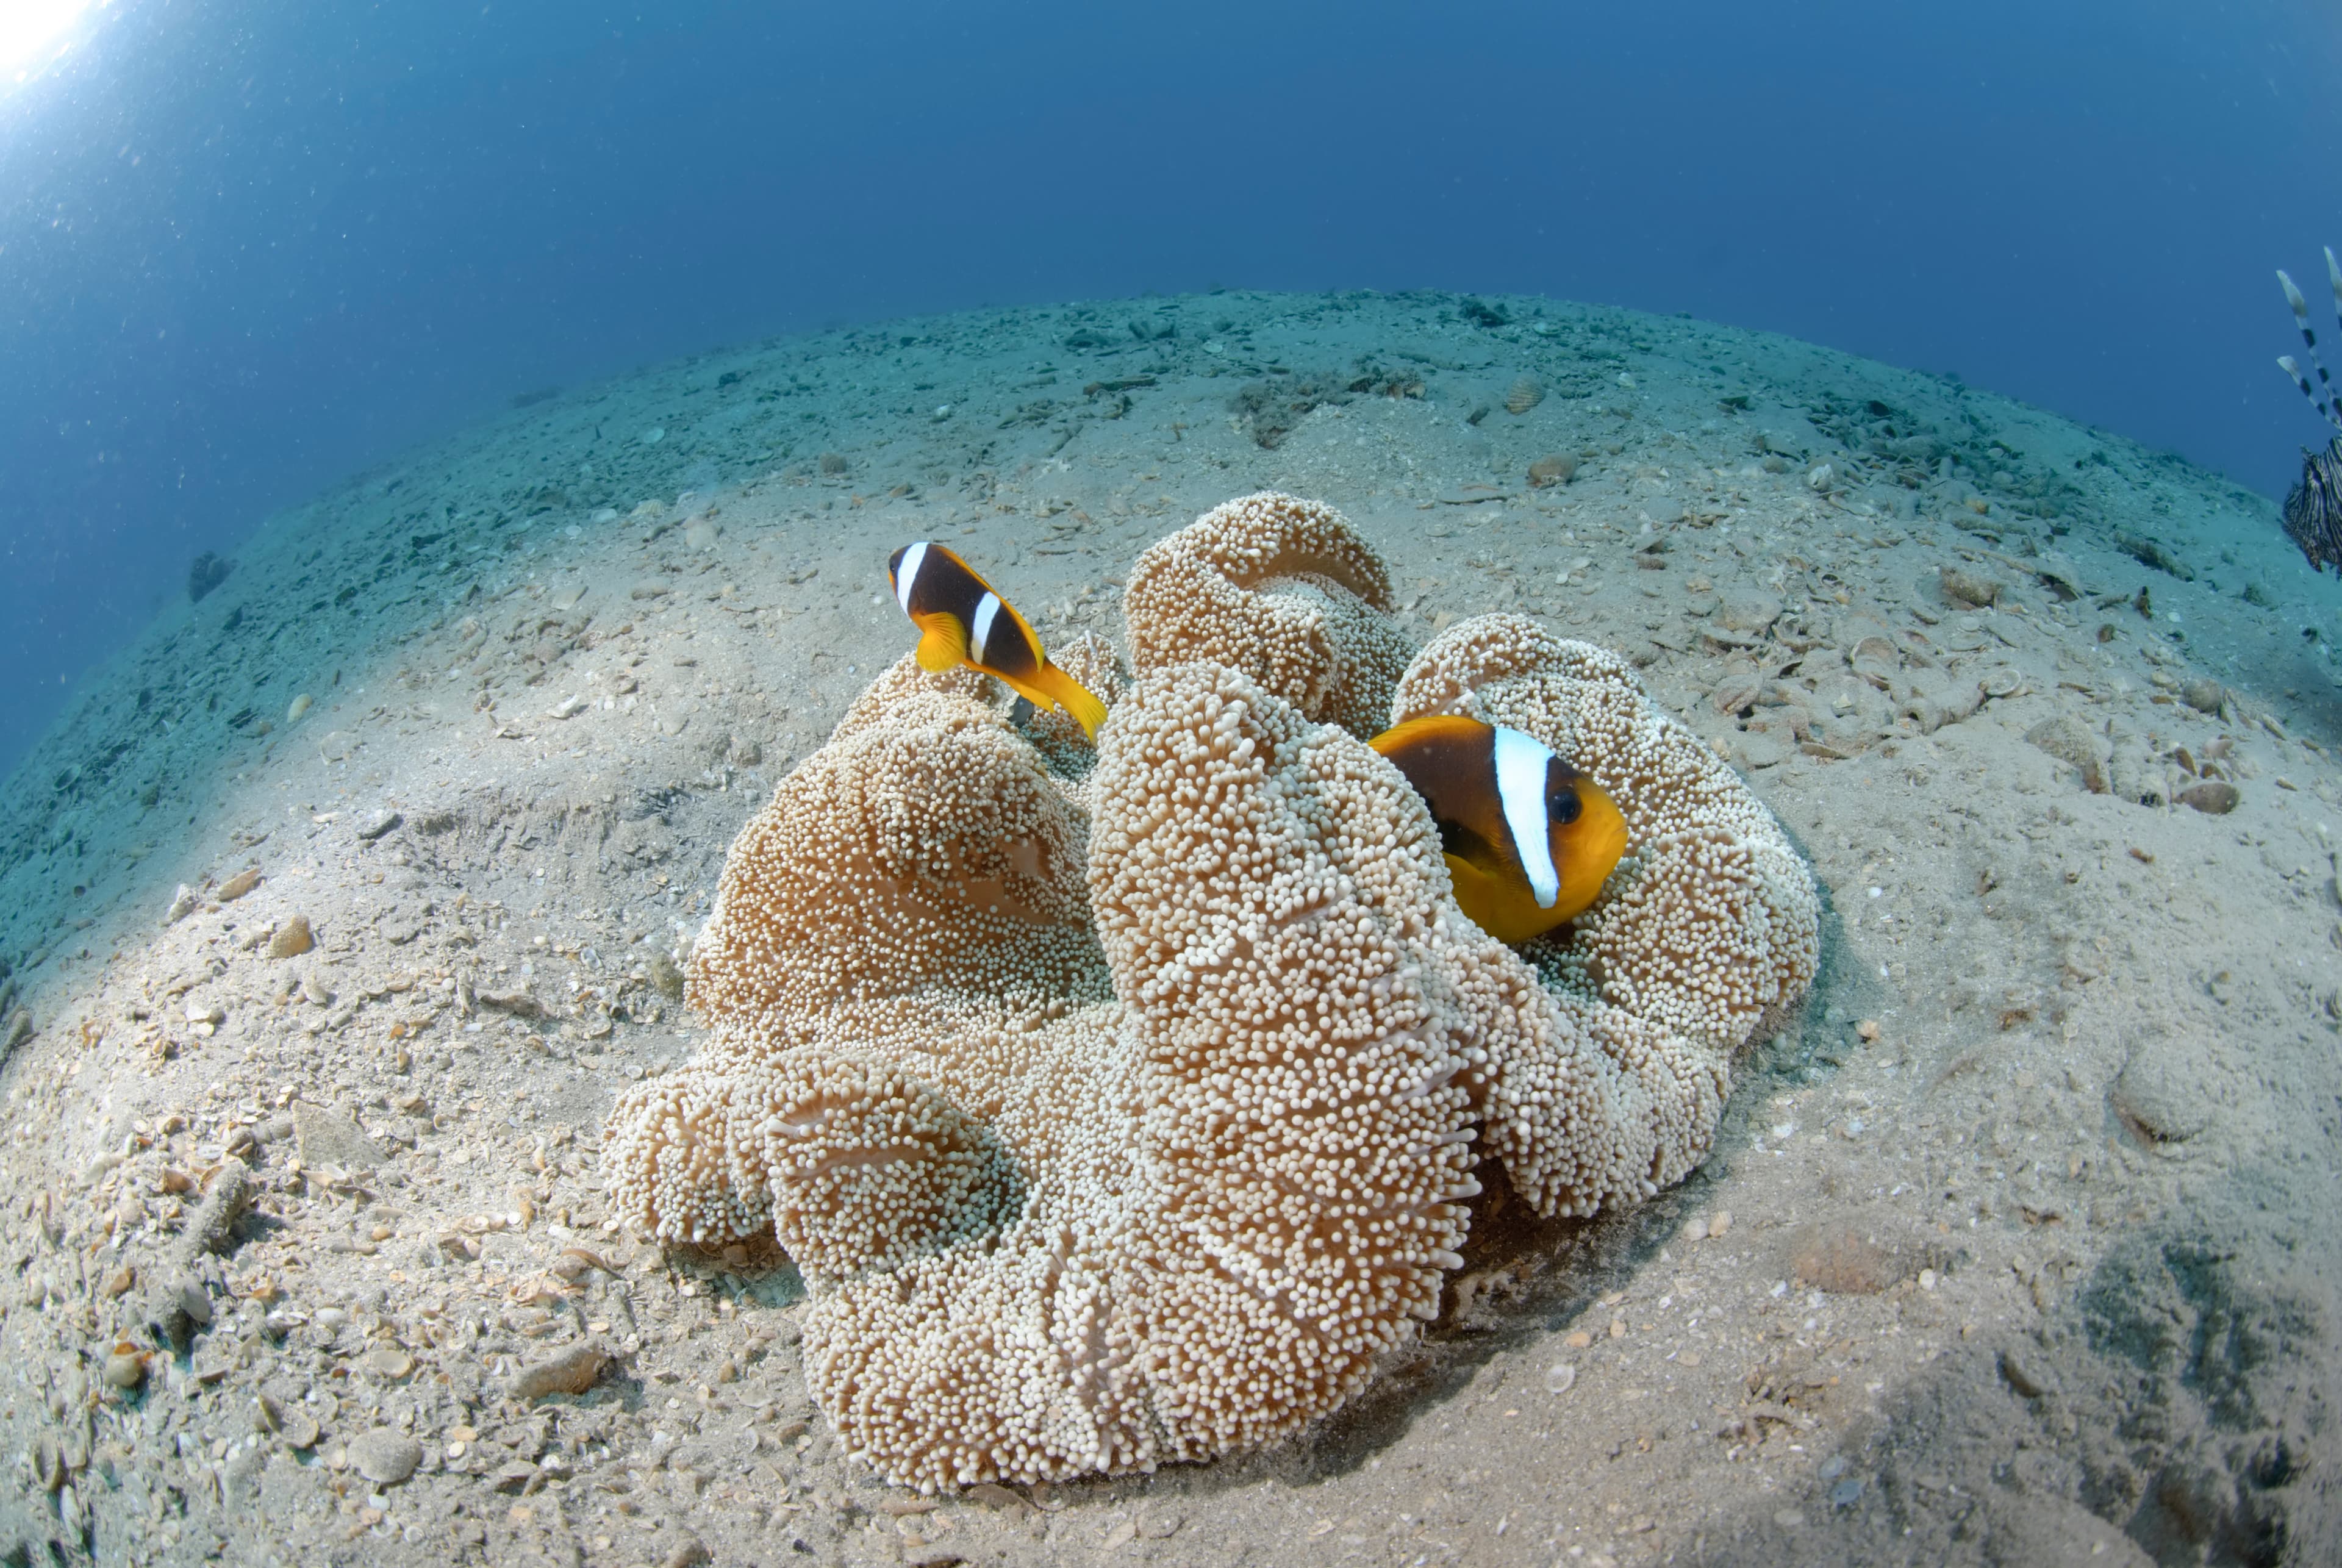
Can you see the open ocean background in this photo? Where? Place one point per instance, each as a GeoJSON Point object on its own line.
{"type": "Point", "coordinates": [246, 249]}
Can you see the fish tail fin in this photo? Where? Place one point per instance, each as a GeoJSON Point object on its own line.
{"type": "Point", "coordinates": [1072, 696]}
{"type": "Point", "coordinates": [943, 645]}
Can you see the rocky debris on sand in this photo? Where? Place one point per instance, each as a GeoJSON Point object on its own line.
{"type": "Point", "coordinates": [1555, 468]}
{"type": "Point", "coordinates": [292, 939]}
{"type": "Point", "coordinates": [208, 572]}
{"type": "Point", "coordinates": [573, 1370]}
{"type": "Point", "coordinates": [2024, 1371]}
{"type": "Point", "coordinates": [2147, 553]}
{"type": "Point", "coordinates": [292, 1422]}
{"type": "Point", "coordinates": [324, 1138]}
{"type": "Point", "coordinates": [214, 1227]}
{"type": "Point", "coordinates": [665, 976]}
{"type": "Point", "coordinates": [2160, 1092]}
{"type": "Point", "coordinates": [179, 1307]}
{"type": "Point", "coordinates": [518, 1003]}
{"type": "Point", "coordinates": [384, 1457]}
{"type": "Point", "coordinates": [1962, 587]}
{"type": "Point", "coordinates": [1856, 1255]}
{"type": "Point", "coordinates": [1932, 710]}
{"type": "Point", "coordinates": [1873, 659]}
{"type": "Point", "coordinates": [2213, 797]}
{"type": "Point", "coordinates": [1736, 690]}
{"type": "Point", "coordinates": [1752, 614]}
{"type": "Point", "coordinates": [124, 1367]}
{"type": "Point", "coordinates": [2204, 694]}
{"type": "Point", "coordinates": [2069, 740]}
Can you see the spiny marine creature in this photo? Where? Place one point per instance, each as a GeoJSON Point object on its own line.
{"type": "Point", "coordinates": [2313, 510]}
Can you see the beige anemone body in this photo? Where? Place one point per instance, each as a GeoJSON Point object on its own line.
{"type": "Point", "coordinates": [1125, 1113]}
{"type": "Point", "coordinates": [1283, 589]}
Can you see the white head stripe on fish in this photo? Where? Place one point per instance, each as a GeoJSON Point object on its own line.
{"type": "Point", "coordinates": [908, 573]}
{"type": "Point", "coordinates": [1520, 789]}
{"type": "Point", "coordinates": [980, 634]}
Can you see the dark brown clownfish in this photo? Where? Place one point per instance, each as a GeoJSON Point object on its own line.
{"type": "Point", "coordinates": [1529, 839]}
{"type": "Point", "coordinates": [963, 621]}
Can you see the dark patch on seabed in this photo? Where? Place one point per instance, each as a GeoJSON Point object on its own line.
{"type": "Point", "coordinates": [2181, 1406]}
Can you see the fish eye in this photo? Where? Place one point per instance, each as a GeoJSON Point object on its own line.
{"type": "Point", "coordinates": [1564, 806]}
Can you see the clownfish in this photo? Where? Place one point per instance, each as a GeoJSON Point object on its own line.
{"type": "Point", "coordinates": [962, 621]}
{"type": "Point", "coordinates": [1528, 838]}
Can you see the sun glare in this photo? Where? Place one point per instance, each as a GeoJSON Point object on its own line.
{"type": "Point", "coordinates": [29, 26]}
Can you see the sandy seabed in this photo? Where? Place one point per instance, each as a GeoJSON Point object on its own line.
{"type": "Point", "coordinates": [2015, 1246]}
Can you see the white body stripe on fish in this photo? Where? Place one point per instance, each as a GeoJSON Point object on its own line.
{"type": "Point", "coordinates": [980, 634]}
{"type": "Point", "coordinates": [1521, 763]}
{"type": "Point", "coordinates": [908, 573]}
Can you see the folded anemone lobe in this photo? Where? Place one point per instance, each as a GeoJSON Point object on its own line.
{"type": "Point", "coordinates": [1130, 1117]}
{"type": "Point", "coordinates": [926, 844]}
{"type": "Point", "coordinates": [915, 881]}
{"type": "Point", "coordinates": [1281, 589]}
{"type": "Point", "coordinates": [1265, 890]}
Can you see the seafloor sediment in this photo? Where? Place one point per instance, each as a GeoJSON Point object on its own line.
{"type": "Point", "coordinates": [2013, 1246]}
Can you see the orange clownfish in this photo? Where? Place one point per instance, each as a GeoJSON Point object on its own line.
{"type": "Point", "coordinates": [962, 621]}
{"type": "Point", "coordinates": [1528, 838]}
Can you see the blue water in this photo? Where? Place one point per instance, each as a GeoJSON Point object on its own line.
{"type": "Point", "coordinates": [248, 248]}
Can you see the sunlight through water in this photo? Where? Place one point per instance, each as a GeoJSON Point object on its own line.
{"type": "Point", "coordinates": [30, 28]}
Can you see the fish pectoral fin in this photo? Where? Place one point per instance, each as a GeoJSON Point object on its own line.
{"type": "Point", "coordinates": [1473, 883]}
{"type": "Point", "coordinates": [1466, 845]}
{"type": "Point", "coordinates": [1501, 905]}
{"type": "Point", "coordinates": [943, 644]}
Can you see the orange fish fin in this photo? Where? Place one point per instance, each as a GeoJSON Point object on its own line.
{"type": "Point", "coordinates": [1050, 687]}
{"type": "Point", "coordinates": [1023, 688]}
{"type": "Point", "coordinates": [1396, 738]}
{"type": "Point", "coordinates": [943, 644]}
{"type": "Point", "coordinates": [1073, 697]}
{"type": "Point", "coordinates": [1500, 905]}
